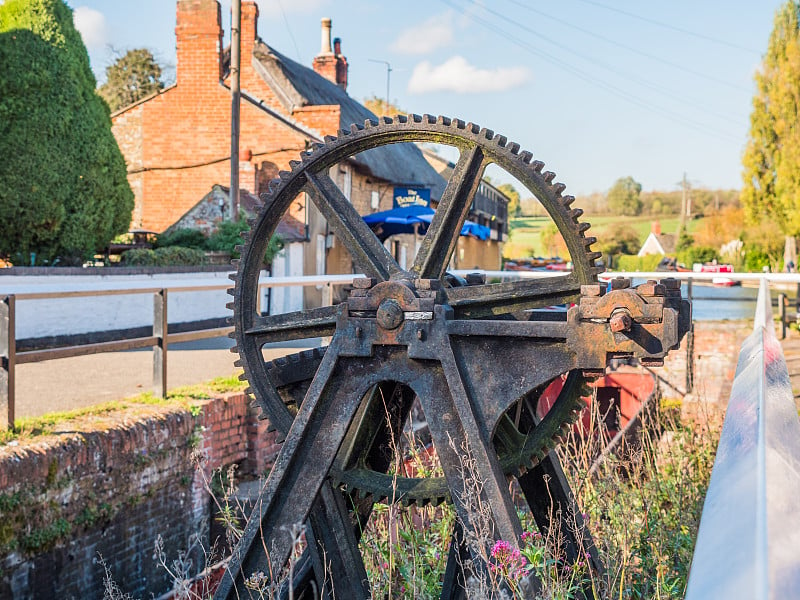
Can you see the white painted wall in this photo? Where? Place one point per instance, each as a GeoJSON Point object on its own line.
{"type": "Point", "coordinates": [63, 316]}
{"type": "Point", "coordinates": [289, 263]}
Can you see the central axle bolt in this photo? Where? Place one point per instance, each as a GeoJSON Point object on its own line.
{"type": "Point", "coordinates": [620, 321]}
{"type": "Point", "coordinates": [389, 315]}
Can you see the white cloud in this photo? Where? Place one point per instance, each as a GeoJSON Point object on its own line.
{"type": "Point", "coordinates": [92, 26]}
{"type": "Point", "coordinates": [436, 32]}
{"type": "Point", "coordinates": [457, 75]}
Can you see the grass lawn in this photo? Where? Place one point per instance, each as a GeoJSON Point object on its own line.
{"type": "Point", "coordinates": [525, 232]}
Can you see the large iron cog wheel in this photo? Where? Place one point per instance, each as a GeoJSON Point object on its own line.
{"type": "Point", "coordinates": [521, 440]}
{"type": "Point", "coordinates": [338, 417]}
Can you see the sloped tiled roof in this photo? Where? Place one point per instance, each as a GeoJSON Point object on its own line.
{"type": "Point", "coordinates": [296, 85]}
{"type": "Point", "coordinates": [668, 242]}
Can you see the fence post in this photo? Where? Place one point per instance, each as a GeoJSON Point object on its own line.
{"type": "Point", "coordinates": [782, 314]}
{"type": "Point", "coordinates": [160, 348]}
{"type": "Point", "coordinates": [327, 294]}
{"type": "Point", "coordinates": [8, 358]}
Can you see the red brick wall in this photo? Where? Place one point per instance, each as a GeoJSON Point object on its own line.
{"type": "Point", "coordinates": [177, 145]}
{"type": "Point", "coordinates": [109, 486]}
{"type": "Point", "coordinates": [716, 351]}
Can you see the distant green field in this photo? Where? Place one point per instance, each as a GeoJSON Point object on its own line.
{"type": "Point", "coordinates": [525, 232]}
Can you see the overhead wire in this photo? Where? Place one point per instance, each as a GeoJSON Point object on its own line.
{"type": "Point", "coordinates": [289, 29]}
{"type": "Point", "coordinates": [695, 34]}
{"type": "Point", "coordinates": [638, 51]}
{"type": "Point", "coordinates": [636, 79]}
{"type": "Point", "coordinates": [595, 81]}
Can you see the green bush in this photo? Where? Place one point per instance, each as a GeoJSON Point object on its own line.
{"type": "Point", "coordinates": [164, 257]}
{"type": "Point", "coordinates": [697, 254]}
{"type": "Point", "coordinates": [187, 238]}
{"type": "Point", "coordinates": [755, 259]}
{"type": "Point", "coordinates": [631, 262]}
{"type": "Point", "coordinates": [229, 235]}
{"type": "Point", "coordinates": [64, 192]}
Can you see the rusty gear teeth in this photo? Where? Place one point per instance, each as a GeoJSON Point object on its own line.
{"type": "Point", "coordinates": [261, 375]}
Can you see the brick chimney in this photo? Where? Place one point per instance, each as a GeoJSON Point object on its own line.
{"type": "Point", "coordinates": [655, 228]}
{"type": "Point", "coordinates": [199, 39]}
{"type": "Point", "coordinates": [249, 30]}
{"type": "Point", "coordinates": [329, 62]}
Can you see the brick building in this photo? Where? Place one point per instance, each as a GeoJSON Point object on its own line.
{"type": "Point", "coordinates": [177, 142]}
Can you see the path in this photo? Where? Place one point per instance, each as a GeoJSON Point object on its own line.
{"type": "Point", "coordinates": [70, 383]}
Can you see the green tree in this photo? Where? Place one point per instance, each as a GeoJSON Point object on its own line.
{"type": "Point", "coordinates": [772, 156]}
{"type": "Point", "coordinates": [63, 187]}
{"type": "Point", "coordinates": [133, 76]}
{"type": "Point", "coordinates": [623, 197]}
{"type": "Point", "coordinates": [619, 238]}
{"type": "Point", "coordinates": [381, 108]}
{"type": "Point", "coordinates": [513, 199]}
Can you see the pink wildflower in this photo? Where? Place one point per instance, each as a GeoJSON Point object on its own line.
{"type": "Point", "coordinates": [508, 561]}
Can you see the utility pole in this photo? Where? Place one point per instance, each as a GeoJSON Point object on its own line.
{"type": "Point", "coordinates": [685, 204]}
{"type": "Point", "coordinates": [236, 60]}
{"type": "Point", "coordinates": [388, 76]}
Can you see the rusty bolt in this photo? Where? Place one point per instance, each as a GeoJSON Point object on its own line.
{"type": "Point", "coordinates": [421, 334]}
{"type": "Point", "coordinates": [651, 288]}
{"type": "Point", "coordinates": [428, 284]}
{"type": "Point", "coordinates": [364, 283]}
{"type": "Point", "coordinates": [620, 321]}
{"type": "Point", "coordinates": [476, 278]}
{"type": "Point", "coordinates": [592, 290]}
{"type": "Point", "coordinates": [389, 315]}
{"type": "Point", "coordinates": [359, 332]}
{"type": "Point", "coordinates": [671, 284]}
{"type": "Point", "coordinates": [620, 283]}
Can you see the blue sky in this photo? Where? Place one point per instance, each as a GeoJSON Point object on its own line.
{"type": "Point", "coordinates": [597, 89]}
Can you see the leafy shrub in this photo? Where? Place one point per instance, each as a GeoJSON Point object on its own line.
{"type": "Point", "coordinates": [629, 262]}
{"type": "Point", "coordinates": [229, 235]}
{"type": "Point", "coordinates": [755, 259]}
{"type": "Point", "coordinates": [186, 238]}
{"type": "Point", "coordinates": [164, 257]}
{"type": "Point", "coordinates": [698, 254]}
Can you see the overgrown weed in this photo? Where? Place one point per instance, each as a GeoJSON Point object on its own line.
{"type": "Point", "coordinates": [641, 504]}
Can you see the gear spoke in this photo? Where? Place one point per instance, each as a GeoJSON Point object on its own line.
{"type": "Point", "coordinates": [298, 325]}
{"type": "Point", "coordinates": [367, 252]}
{"type": "Point", "coordinates": [442, 236]}
{"type": "Point", "coordinates": [476, 301]}
{"type": "Point", "coordinates": [294, 482]}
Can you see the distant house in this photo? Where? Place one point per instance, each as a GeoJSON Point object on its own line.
{"type": "Point", "coordinates": [177, 142]}
{"type": "Point", "coordinates": [658, 243]}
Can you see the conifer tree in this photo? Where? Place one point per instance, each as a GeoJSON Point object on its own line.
{"type": "Point", "coordinates": [63, 188]}
{"type": "Point", "coordinates": [133, 76]}
{"type": "Point", "coordinates": [772, 157]}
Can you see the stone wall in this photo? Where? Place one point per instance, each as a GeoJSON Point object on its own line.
{"type": "Point", "coordinates": [716, 351]}
{"type": "Point", "coordinates": [108, 485]}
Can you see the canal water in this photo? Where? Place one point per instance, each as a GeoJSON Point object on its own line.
{"type": "Point", "coordinates": [712, 303]}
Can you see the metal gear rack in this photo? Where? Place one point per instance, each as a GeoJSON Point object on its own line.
{"type": "Point", "coordinates": [474, 355]}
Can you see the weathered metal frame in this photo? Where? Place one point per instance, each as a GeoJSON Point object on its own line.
{"type": "Point", "coordinates": [748, 545]}
{"type": "Point", "coordinates": [419, 330]}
